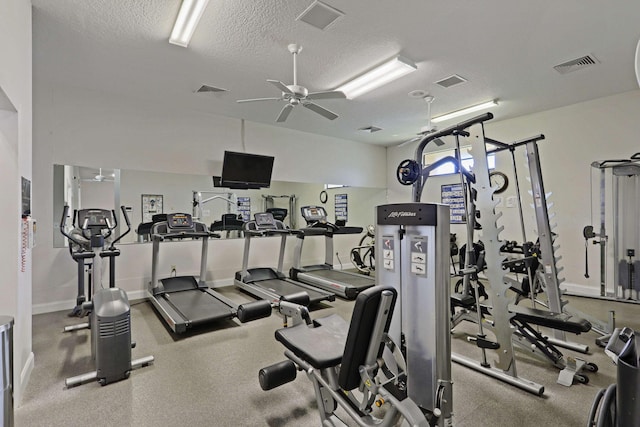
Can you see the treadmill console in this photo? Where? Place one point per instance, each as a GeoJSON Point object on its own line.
{"type": "Point", "coordinates": [265, 220]}
{"type": "Point", "coordinates": [313, 214]}
{"type": "Point", "coordinates": [95, 219]}
{"type": "Point", "coordinates": [179, 221]}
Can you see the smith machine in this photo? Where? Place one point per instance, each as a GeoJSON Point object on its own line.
{"type": "Point", "coordinates": [510, 323]}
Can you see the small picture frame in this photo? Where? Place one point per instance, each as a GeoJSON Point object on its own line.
{"type": "Point", "coordinates": [152, 204]}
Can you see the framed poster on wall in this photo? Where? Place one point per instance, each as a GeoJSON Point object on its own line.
{"type": "Point", "coordinates": [341, 207]}
{"type": "Point", "coordinates": [151, 205]}
{"type": "Point", "coordinates": [452, 195]}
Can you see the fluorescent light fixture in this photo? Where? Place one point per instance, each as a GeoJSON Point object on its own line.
{"type": "Point", "coordinates": [379, 76]}
{"type": "Point", "coordinates": [464, 111]}
{"type": "Point", "coordinates": [187, 21]}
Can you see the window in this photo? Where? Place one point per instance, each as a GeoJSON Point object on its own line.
{"type": "Point", "coordinates": [449, 168]}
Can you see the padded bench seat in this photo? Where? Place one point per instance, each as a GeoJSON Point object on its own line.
{"type": "Point", "coordinates": [322, 346]}
{"type": "Point", "coordinates": [560, 321]}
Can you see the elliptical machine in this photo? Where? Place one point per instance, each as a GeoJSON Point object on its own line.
{"type": "Point", "coordinates": [108, 309]}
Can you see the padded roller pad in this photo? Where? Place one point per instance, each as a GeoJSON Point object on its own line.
{"type": "Point", "coordinates": [254, 310]}
{"type": "Point", "coordinates": [300, 298]}
{"type": "Point", "coordinates": [322, 346]}
{"type": "Point", "coordinates": [560, 321]}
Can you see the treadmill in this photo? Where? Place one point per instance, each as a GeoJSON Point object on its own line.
{"type": "Point", "coordinates": [343, 283]}
{"type": "Point", "coordinates": [268, 283]}
{"type": "Point", "coordinates": [185, 302]}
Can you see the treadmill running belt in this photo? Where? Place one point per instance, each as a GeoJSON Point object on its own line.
{"type": "Point", "coordinates": [199, 307]}
{"type": "Point", "coordinates": [357, 281]}
{"type": "Point", "coordinates": [283, 288]}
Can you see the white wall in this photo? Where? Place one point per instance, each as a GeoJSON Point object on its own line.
{"type": "Point", "coordinates": [78, 127]}
{"type": "Point", "coordinates": [15, 162]}
{"type": "Point", "coordinates": [575, 136]}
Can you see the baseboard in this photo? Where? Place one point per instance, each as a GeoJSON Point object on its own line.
{"type": "Point", "coordinates": [67, 305]}
{"type": "Point", "coordinates": [580, 290]}
{"type": "Point", "coordinates": [25, 375]}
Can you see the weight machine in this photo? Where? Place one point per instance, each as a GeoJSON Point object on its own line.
{"type": "Point", "coordinates": [623, 175]}
{"type": "Point", "coordinates": [511, 324]}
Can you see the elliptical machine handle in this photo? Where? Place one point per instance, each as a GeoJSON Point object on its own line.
{"type": "Point", "coordinates": [126, 220]}
{"type": "Point", "coordinates": [63, 223]}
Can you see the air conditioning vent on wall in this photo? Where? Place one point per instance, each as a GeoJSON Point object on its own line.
{"type": "Point", "coordinates": [576, 64]}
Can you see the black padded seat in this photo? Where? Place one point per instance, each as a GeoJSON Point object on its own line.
{"type": "Point", "coordinates": [322, 346]}
{"type": "Point", "coordinates": [560, 321]}
{"type": "Point", "coordinates": [333, 341]}
{"type": "Point", "coordinates": [462, 300]}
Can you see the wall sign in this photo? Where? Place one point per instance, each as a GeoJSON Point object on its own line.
{"type": "Point", "coordinates": [244, 208]}
{"type": "Point", "coordinates": [452, 195]}
{"type": "Point", "coordinates": [341, 207]}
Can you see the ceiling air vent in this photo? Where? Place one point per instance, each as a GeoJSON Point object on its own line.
{"type": "Point", "coordinates": [320, 15]}
{"type": "Point", "coordinates": [370, 129]}
{"type": "Point", "coordinates": [207, 88]}
{"type": "Point", "coordinates": [451, 81]}
{"type": "Point", "coordinates": [576, 64]}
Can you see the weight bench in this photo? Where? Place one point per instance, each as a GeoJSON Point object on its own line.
{"type": "Point", "coordinates": [571, 367]}
{"type": "Point", "coordinates": [339, 357]}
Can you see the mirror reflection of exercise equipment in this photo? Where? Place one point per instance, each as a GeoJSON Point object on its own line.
{"type": "Point", "coordinates": [279, 213]}
{"type": "Point", "coordinates": [619, 190]}
{"type": "Point", "coordinates": [363, 256]}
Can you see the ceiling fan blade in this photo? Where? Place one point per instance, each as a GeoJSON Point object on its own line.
{"type": "Point", "coordinates": [284, 113]}
{"type": "Point", "coordinates": [409, 141]}
{"type": "Point", "coordinates": [333, 94]}
{"type": "Point", "coordinates": [321, 110]}
{"type": "Point", "coordinates": [258, 99]}
{"type": "Point", "coordinates": [281, 86]}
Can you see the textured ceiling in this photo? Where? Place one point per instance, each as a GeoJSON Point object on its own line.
{"type": "Point", "coordinates": [505, 49]}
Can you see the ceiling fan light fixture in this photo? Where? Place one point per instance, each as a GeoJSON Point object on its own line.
{"type": "Point", "coordinates": [465, 111]}
{"type": "Point", "coordinates": [381, 75]}
{"type": "Point", "coordinates": [188, 17]}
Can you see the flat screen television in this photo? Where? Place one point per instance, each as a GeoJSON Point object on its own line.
{"type": "Point", "coordinates": [246, 171]}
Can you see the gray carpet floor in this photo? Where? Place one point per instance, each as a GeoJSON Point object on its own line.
{"type": "Point", "coordinates": [208, 377]}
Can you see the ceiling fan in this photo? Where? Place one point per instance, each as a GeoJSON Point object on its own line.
{"type": "Point", "coordinates": [299, 95]}
{"type": "Point", "coordinates": [427, 129]}
{"type": "Point", "coordinates": [99, 177]}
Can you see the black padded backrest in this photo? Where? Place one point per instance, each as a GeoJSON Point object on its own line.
{"type": "Point", "coordinates": [159, 218]}
{"type": "Point", "coordinates": [278, 213]}
{"type": "Point", "coordinates": [363, 320]}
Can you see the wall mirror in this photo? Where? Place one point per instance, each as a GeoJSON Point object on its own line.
{"type": "Point", "coordinates": [152, 193]}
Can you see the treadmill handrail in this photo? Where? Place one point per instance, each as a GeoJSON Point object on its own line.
{"type": "Point", "coordinates": [184, 234]}
{"type": "Point", "coordinates": [266, 232]}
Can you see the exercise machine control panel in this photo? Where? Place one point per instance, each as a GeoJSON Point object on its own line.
{"type": "Point", "coordinates": [95, 218]}
{"type": "Point", "coordinates": [313, 214]}
{"type": "Point", "coordinates": [179, 221]}
{"type": "Point", "coordinates": [265, 220]}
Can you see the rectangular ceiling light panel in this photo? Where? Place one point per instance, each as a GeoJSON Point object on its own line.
{"type": "Point", "coordinates": [379, 76]}
{"type": "Point", "coordinates": [320, 15]}
{"type": "Point", "coordinates": [187, 21]}
{"type": "Point", "coordinates": [465, 111]}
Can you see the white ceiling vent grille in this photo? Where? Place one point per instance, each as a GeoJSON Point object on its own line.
{"type": "Point", "coordinates": [370, 129]}
{"type": "Point", "coordinates": [576, 64]}
{"type": "Point", "coordinates": [207, 89]}
{"type": "Point", "coordinates": [320, 15]}
{"type": "Point", "coordinates": [451, 81]}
